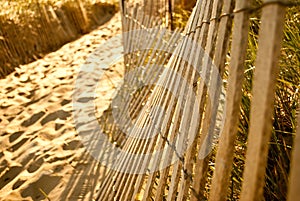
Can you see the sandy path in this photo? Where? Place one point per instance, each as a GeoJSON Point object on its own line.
{"type": "Point", "coordinates": [40, 152]}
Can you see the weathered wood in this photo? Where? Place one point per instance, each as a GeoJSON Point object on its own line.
{"type": "Point", "coordinates": [225, 152]}
{"type": "Point", "coordinates": [266, 70]}
{"type": "Point", "coordinates": [121, 181]}
{"type": "Point", "coordinates": [201, 163]}
{"type": "Point", "coordinates": [294, 184]}
{"type": "Point", "coordinates": [188, 4]}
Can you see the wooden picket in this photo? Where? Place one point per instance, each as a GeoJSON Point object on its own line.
{"type": "Point", "coordinates": [224, 155]}
{"type": "Point", "coordinates": [295, 173]}
{"type": "Point", "coordinates": [263, 100]}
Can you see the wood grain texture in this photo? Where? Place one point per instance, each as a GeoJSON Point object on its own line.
{"type": "Point", "coordinates": [266, 70]}
{"type": "Point", "coordinates": [294, 185]}
{"type": "Point", "coordinates": [224, 157]}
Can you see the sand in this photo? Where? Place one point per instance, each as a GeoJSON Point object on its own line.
{"type": "Point", "coordinates": [41, 154]}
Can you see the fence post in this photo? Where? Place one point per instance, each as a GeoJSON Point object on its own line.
{"type": "Point", "coordinates": [225, 152]}
{"type": "Point", "coordinates": [270, 38]}
{"type": "Point", "coordinates": [294, 185]}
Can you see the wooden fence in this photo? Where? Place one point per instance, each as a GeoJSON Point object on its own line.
{"type": "Point", "coordinates": [27, 37]}
{"type": "Point", "coordinates": [186, 130]}
{"type": "Point", "coordinates": [162, 9]}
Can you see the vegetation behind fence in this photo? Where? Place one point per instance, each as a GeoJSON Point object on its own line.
{"type": "Point", "coordinates": [28, 30]}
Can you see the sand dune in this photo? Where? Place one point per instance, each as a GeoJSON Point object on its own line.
{"type": "Point", "coordinates": [41, 155]}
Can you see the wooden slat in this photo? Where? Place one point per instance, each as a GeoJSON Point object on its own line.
{"type": "Point", "coordinates": [120, 177]}
{"type": "Point", "coordinates": [151, 176]}
{"type": "Point", "coordinates": [167, 80]}
{"type": "Point", "coordinates": [177, 167]}
{"type": "Point", "coordinates": [215, 85]}
{"type": "Point", "coordinates": [201, 163]}
{"type": "Point", "coordinates": [174, 181]}
{"type": "Point", "coordinates": [222, 43]}
{"type": "Point", "coordinates": [175, 89]}
{"type": "Point", "coordinates": [270, 38]}
{"type": "Point", "coordinates": [165, 173]}
{"type": "Point", "coordinates": [133, 183]}
{"type": "Point", "coordinates": [294, 183]}
{"type": "Point", "coordinates": [136, 101]}
{"type": "Point", "coordinates": [225, 152]}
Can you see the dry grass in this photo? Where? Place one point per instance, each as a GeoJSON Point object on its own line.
{"type": "Point", "coordinates": [285, 107]}
{"type": "Point", "coordinates": [30, 29]}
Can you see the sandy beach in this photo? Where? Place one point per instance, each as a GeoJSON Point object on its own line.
{"type": "Point", "coordinates": [41, 155]}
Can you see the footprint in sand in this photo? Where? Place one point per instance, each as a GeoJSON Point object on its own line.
{"type": "Point", "coordinates": [75, 144]}
{"type": "Point", "coordinates": [18, 184]}
{"type": "Point", "coordinates": [18, 145]}
{"type": "Point", "coordinates": [65, 102]}
{"type": "Point", "coordinates": [35, 165]}
{"type": "Point", "coordinates": [43, 186]}
{"type": "Point", "coordinates": [15, 136]}
{"type": "Point", "coordinates": [9, 175]}
{"type": "Point", "coordinates": [60, 114]}
{"type": "Point", "coordinates": [34, 118]}
{"type": "Point", "coordinates": [26, 159]}
{"type": "Point", "coordinates": [3, 164]}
